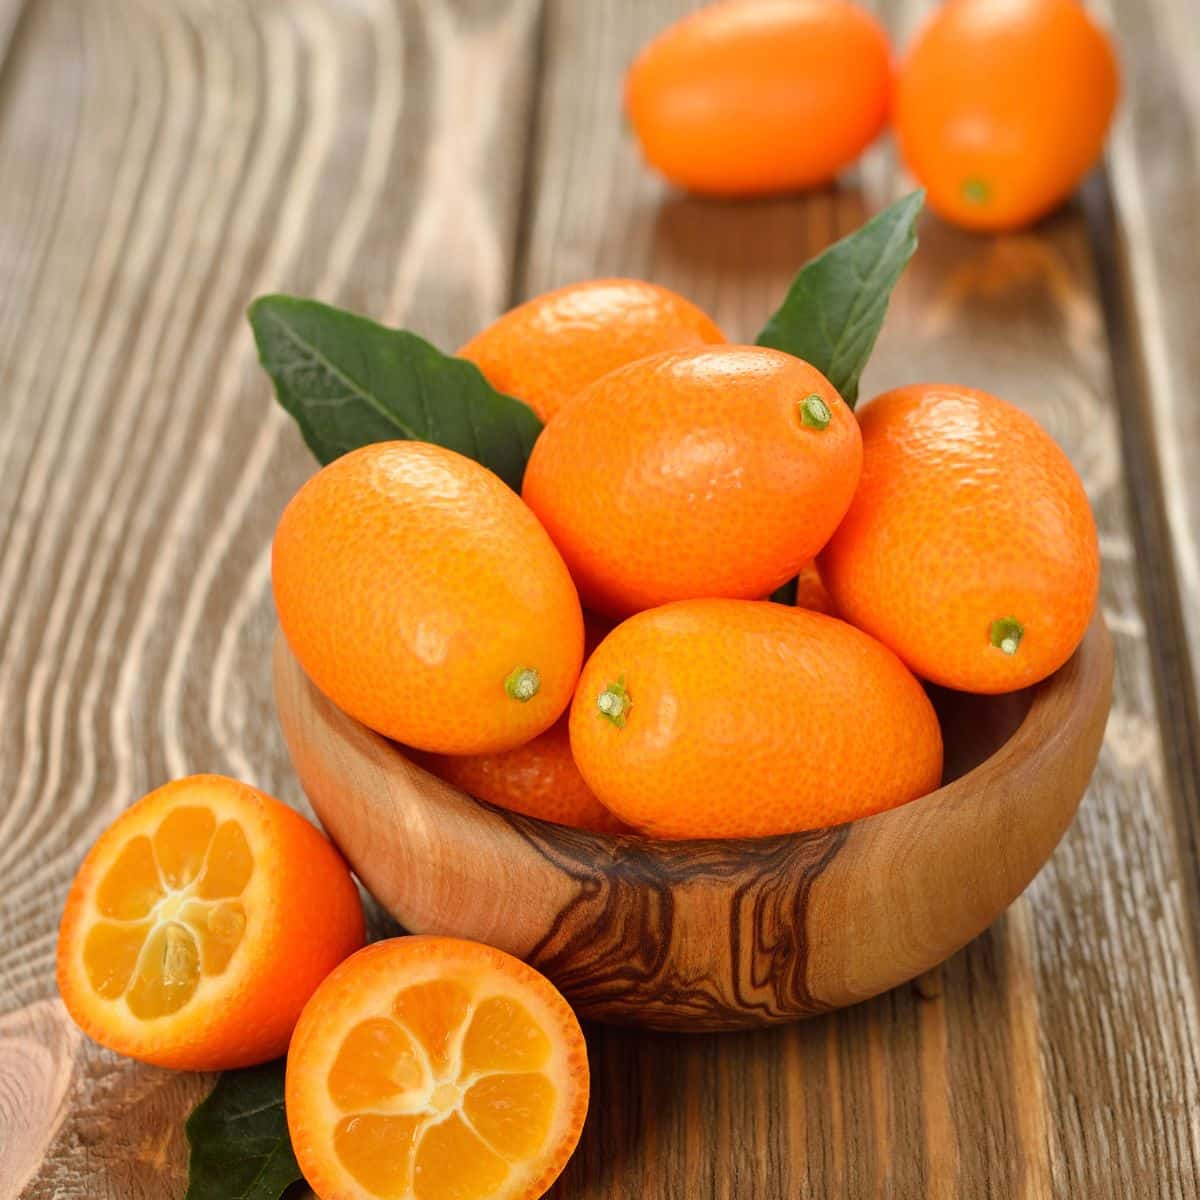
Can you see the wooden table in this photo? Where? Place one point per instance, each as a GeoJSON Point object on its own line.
{"type": "Point", "coordinates": [430, 162]}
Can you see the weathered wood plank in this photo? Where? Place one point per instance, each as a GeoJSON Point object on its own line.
{"type": "Point", "coordinates": [1113, 977]}
{"type": "Point", "coordinates": [1155, 157]}
{"type": "Point", "coordinates": [1150, 244]}
{"type": "Point", "coordinates": [162, 164]}
{"type": "Point", "coordinates": [1056, 1055]}
{"type": "Point", "coordinates": [10, 14]}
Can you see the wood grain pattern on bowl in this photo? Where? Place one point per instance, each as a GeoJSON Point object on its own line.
{"type": "Point", "coordinates": [708, 935]}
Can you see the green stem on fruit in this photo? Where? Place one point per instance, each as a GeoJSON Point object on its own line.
{"type": "Point", "coordinates": [814, 412]}
{"type": "Point", "coordinates": [976, 190]}
{"type": "Point", "coordinates": [614, 702]}
{"type": "Point", "coordinates": [1006, 634]}
{"type": "Point", "coordinates": [523, 684]}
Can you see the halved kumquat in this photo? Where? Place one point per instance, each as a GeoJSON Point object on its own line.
{"type": "Point", "coordinates": [200, 923]}
{"type": "Point", "coordinates": [429, 1068]}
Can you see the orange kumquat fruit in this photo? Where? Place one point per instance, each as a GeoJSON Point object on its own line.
{"type": "Point", "coordinates": [429, 1068]}
{"type": "Point", "coordinates": [423, 598]}
{"type": "Point", "coordinates": [550, 348]}
{"type": "Point", "coordinates": [970, 548]}
{"type": "Point", "coordinates": [200, 923]}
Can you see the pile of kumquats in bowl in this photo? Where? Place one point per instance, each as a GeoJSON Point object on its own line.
{"type": "Point", "coordinates": [605, 568]}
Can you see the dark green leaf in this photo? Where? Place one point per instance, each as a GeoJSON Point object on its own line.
{"type": "Point", "coordinates": [836, 304]}
{"type": "Point", "coordinates": [348, 382]}
{"type": "Point", "coordinates": [240, 1148]}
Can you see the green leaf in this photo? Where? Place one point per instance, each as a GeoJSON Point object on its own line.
{"type": "Point", "coordinates": [240, 1149]}
{"type": "Point", "coordinates": [836, 304]}
{"type": "Point", "coordinates": [348, 382]}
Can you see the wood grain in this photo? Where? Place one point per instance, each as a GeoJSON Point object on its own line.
{"type": "Point", "coordinates": [1027, 322]}
{"type": "Point", "coordinates": [1020, 315]}
{"type": "Point", "coordinates": [162, 164]}
{"type": "Point", "coordinates": [10, 13]}
{"type": "Point", "coordinates": [719, 934]}
{"type": "Point", "coordinates": [164, 160]}
{"type": "Point", "coordinates": [1155, 159]}
{"type": "Point", "coordinates": [1148, 251]}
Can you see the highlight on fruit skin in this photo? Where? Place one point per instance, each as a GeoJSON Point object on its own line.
{"type": "Point", "coordinates": [199, 924]}
{"type": "Point", "coordinates": [694, 490]}
{"type": "Point", "coordinates": [970, 547]}
{"type": "Point", "coordinates": [432, 1068]}
{"type": "Point", "coordinates": [551, 347]}
{"type": "Point", "coordinates": [743, 719]}
{"type": "Point", "coordinates": [751, 97]}
{"type": "Point", "coordinates": [425, 600]}
{"type": "Point", "coordinates": [1002, 109]}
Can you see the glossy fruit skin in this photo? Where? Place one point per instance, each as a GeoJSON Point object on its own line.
{"type": "Point", "coordinates": [686, 474]}
{"type": "Point", "coordinates": [364, 985]}
{"type": "Point", "coordinates": [310, 919]}
{"type": "Point", "coordinates": [539, 779]}
{"type": "Point", "coordinates": [551, 347]}
{"type": "Point", "coordinates": [968, 513]}
{"type": "Point", "coordinates": [1002, 107]}
{"type": "Point", "coordinates": [411, 583]}
{"type": "Point", "coordinates": [751, 97]}
{"type": "Point", "coordinates": [748, 718]}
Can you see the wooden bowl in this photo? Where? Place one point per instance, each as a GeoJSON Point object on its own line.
{"type": "Point", "coordinates": [709, 935]}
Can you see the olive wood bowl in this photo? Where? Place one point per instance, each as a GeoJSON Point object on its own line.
{"type": "Point", "coordinates": [708, 935]}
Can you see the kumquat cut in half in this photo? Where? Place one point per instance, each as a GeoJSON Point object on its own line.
{"type": "Point", "coordinates": [430, 1068]}
{"type": "Point", "coordinates": [199, 925]}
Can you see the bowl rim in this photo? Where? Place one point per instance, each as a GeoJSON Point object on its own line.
{"type": "Point", "coordinates": [869, 904]}
{"type": "Point", "coordinates": [1087, 671]}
